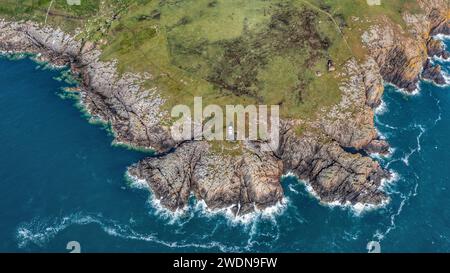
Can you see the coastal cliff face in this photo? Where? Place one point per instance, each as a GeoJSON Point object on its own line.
{"type": "Point", "coordinates": [134, 113]}
{"type": "Point", "coordinates": [332, 158]}
{"type": "Point", "coordinates": [240, 183]}
{"type": "Point", "coordinates": [401, 56]}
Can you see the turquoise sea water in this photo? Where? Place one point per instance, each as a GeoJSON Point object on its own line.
{"type": "Point", "coordinates": [61, 180]}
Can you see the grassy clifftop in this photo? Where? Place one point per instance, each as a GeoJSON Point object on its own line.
{"type": "Point", "coordinates": [227, 51]}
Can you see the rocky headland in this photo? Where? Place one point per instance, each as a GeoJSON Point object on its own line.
{"type": "Point", "coordinates": [333, 157]}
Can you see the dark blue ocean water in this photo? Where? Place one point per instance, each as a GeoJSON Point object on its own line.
{"type": "Point", "coordinates": [61, 180]}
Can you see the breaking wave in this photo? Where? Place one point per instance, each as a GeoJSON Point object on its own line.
{"type": "Point", "coordinates": [358, 209]}
{"type": "Point", "coordinates": [200, 208]}
{"type": "Point", "coordinates": [381, 109]}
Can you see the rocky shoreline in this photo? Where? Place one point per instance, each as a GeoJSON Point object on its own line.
{"type": "Point", "coordinates": [333, 159]}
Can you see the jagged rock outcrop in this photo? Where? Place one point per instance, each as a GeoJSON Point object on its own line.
{"type": "Point", "coordinates": [244, 183]}
{"type": "Point", "coordinates": [433, 73]}
{"type": "Point", "coordinates": [401, 56]}
{"type": "Point", "coordinates": [334, 174]}
{"type": "Point", "coordinates": [436, 48]}
{"type": "Point", "coordinates": [377, 146]}
{"type": "Point", "coordinates": [373, 83]}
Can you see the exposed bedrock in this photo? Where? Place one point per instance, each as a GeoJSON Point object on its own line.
{"type": "Point", "coordinates": [373, 83]}
{"type": "Point", "coordinates": [436, 48]}
{"type": "Point", "coordinates": [377, 146]}
{"type": "Point", "coordinates": [400, 56]}
{"type": "Point", "coordinates": [334, 174]}
{"type": "Point", "coordinates": [433, 73]}
{"type": "Point", "coordinates": [245, 183]}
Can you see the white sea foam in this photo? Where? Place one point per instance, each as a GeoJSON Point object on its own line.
{"type": "Point", "coordinates": [268, 213]}
{"type": "Point", "coordinates": [292, 189]}
{"type": "Point", "coordinates": [382, 135]}
{"type": "Point", "coordinates": [357, 209]}
{"type": "Point", "coordinates": [13, 55]}
{"type": "Point", "coordinates": [439, 117]}
{"type": "Point", "coordinates": [386, 182]}
{"type": "Point", "coordinates": [381, 235]}
{"type": "Point", "coordinates": [404, 198]}
{"type": "Point", "coordinates": [422, 131]}
{"type": "Point", "coordinates": [128, 146]}
{"type": "Point", "coordinates": [201, 208]}
{"type": "Point", "coordinates": [415, 92]}
{"type": "Point", "coordinates": [442, 37]}
{"type": "Point", "coordinates": [135, 182]}
{"type": "Point", "coordinates": [418, 148]}
{"type": "Point", "coordinates": [447, 79]}
{"type": "Point", "coordinates": [379, 156]}
{"type": "Point", "coordinates": [155, 203]}
{"type": "Point", "coordinates": [381, 109]}
{"type": "Point", "coordinates": [405, 158]}
{"type": "Point", "coordinates": [40, 232]}
{"type": "Point", "coordinates": [173, 216]}
{"type": "Point", "coordinates": [440, 59]}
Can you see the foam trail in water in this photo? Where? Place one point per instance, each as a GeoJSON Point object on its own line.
{"type": "Point", "coordinates": [292, 189]}
{"type": "Point", "coordinates": [418, 148]}
{"type": "Point", "coordinates": [40, 231]}
{"type": "Point", "coordinates": [381, 235]}
{"type": "Point", "coordinates": [440, 59]}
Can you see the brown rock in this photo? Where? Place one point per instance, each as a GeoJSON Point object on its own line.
{"type": "Point", "coordinates": [433, 73]}
{"type": "Point", "coordinates": [377, 146]}
{"type": "Point", "coordinates": [245, 182]}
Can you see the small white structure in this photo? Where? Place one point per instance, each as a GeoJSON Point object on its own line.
{"type": "Point", "coordinates": [73, 2]}
{"type": "Point", "coordinates": [230, 132]}
{"type": "Point", "coordinates": [374, 2]}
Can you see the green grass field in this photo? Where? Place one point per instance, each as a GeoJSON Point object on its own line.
{"type": "Point", "coordinates": [227, 51]}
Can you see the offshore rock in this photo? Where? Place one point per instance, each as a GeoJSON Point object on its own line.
{"type": "Point", "coordinates": [436, 48]}
{"type": "Point", "coordinates": [433, 73]}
